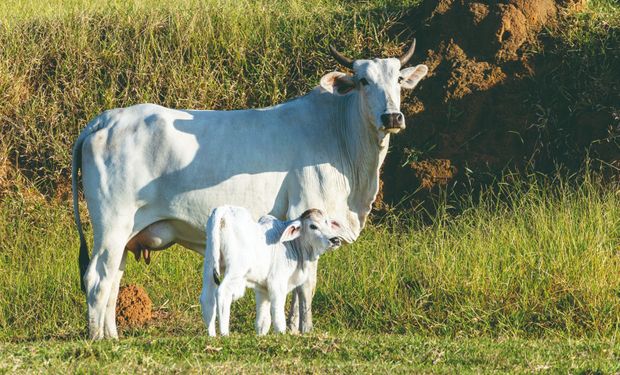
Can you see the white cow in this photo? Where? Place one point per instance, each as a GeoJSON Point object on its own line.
{"type": "Point", "coordinates": [270, 256]}
{"type": "Point", "coordinates": [151, 175]}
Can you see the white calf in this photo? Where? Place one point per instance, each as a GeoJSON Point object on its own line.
{"type": "Point", "coordinates": [270, 256]}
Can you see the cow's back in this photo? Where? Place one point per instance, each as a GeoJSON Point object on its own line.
{"type": "Point", "coordinates": [159, 164]}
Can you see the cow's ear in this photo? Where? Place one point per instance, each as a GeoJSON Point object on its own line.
{"type": "Point", "coordinates": [338, 83]}
{"type": "Point", "coordinates": [411, 76]}
{"type": "Point", "coordinates": [292, 231]}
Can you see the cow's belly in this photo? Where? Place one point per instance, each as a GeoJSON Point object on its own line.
{"type": "Point", "coordinates": [170, 216]}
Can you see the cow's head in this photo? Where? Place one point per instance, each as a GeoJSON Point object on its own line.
{"type": "Point", "coordinates": [378, 83]}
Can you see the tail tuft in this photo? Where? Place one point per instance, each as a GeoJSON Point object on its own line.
{"type": "Point", "coordinates": [83, 261]}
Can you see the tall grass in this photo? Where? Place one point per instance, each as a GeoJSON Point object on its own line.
{"type": "Point", "coordinates": [534, 257]}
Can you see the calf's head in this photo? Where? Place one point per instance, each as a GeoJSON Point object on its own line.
{"type": "Point", "coordinates": [315, 231]}
{"type": "Point", "coordinates": [378, 83]}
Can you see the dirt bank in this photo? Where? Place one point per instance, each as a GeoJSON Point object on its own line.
{"type": "Point", "coordinates": [478, 107]}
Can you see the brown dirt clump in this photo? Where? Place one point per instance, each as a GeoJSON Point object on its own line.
{"type": "Point", "coordinates": [378, 203]}
{"type": "Point", "coordinates": [494, 28]}
{"type": "Point", "coordinates": [133, 306]}
{"type": "Point", "coordinates": [433, 172]}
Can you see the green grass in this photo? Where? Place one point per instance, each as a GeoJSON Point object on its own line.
{"type": "Point", "coordinates": [536, 257]}
{"type": "Point", "coordinates": [316, 353]}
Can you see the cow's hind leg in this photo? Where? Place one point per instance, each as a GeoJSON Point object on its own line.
{"type": "Point", "coordinates": [102, 276]}
{"type": "Point", "coordinates": [110, 312]}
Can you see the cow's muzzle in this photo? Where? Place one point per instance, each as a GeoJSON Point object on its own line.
{"type": "Point", "coordinates": [335, 241]}
{"type": "Point", "coordinates": [393, 122]}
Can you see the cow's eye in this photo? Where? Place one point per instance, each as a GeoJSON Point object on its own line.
{"type": "Point", "coordinates": [363, 81]}
{"type": "Point", "coordinates": [313, 227]}
{"type": "Point", "coordinates": [400, 79]}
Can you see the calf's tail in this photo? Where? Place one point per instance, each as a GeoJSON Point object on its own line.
{"type": "Point", "coordinates": [215, 224]}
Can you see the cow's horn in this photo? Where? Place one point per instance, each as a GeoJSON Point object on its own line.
{"type": "Point", "coordinates": [345, 61]}
{"type": "Point", "coordinates": [404, 59]}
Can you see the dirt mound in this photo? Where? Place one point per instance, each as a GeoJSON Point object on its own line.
{"type": "Point", "coordinates": [133, 306]}
{"type": "Point", "coordinates": [491, 28]}
{"type": "Point", "coordinates": [473, 111]}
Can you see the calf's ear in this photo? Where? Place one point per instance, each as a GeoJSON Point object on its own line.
{"type": "Point", "coordinates": [292, 231]}
{"type": "Point", "coordinates": [335, 225]}
{"type": "Point", "coordinates": [337, 83]}
{"type": "Point", "coordinates": [410, 77]}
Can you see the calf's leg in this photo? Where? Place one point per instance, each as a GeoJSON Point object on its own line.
{"type": "Point", "coordinates": [278, 298]}
{"type": "Point", "coordinates": [230, 289]}
{"type": "Point", "coordinates": [305, 299]}
{"type": "Point", "coordinates": [208, 298]}
{"type": "Point", "coordinates": [300, 312]}
{"type": "Point", "coordinates": [263, 314]}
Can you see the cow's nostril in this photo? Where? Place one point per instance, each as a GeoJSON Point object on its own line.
{"type": "Point", "coordinates": [399, 117]}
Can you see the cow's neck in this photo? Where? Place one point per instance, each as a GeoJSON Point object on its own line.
{"type": "Point", "coordinates": [362, 152]}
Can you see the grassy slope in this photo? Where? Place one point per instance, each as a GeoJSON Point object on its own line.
{"type": "Point", "coordinates": [59, 67]}
{"type": "Point", "coordinates": [316, 353]}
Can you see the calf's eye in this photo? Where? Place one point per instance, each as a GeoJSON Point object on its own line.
{"type": "Point", "coordinates": [312, 226]}
{"type": "Point", "coordinates": [363, 81]}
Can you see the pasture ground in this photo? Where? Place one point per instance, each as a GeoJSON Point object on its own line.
{"type": "Point", "coordinates": [520, 279]}
{"type": "Point", "coordinates": [345, 352]}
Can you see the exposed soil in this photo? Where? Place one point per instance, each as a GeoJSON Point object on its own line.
{"type": "Point", "coordinates": [471, 113]}
{"type": "Point", "coordinates": [433, 172]}
{"type": "Point", "coordinates": [133, 306]}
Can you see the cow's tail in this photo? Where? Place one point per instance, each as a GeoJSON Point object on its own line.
{"type": "Point", "coordinates": [84, 257]}
{"type": "Point", "coordinates": [215, 225]}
